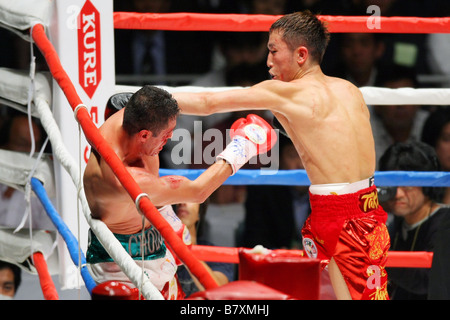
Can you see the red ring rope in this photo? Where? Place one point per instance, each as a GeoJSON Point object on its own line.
{"type": "Point", "coordinates": [46, 281]}
{"type": "Point", "coordinates": [416, 259]}
{"type": "Point", "coordinates": [96, 140]}
{"type": "Point", "coordinates": [257, 22]}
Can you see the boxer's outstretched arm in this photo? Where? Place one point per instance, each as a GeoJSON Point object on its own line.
{"type": "Point", "coordinates": [250, 136]}
{"type": "Point", "coordinates": [178, 189]}
{"type": "Point", "coordinates": [262, 96]}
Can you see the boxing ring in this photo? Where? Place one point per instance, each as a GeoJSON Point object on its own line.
{"type": "Point", "coordinates": [36, 97]}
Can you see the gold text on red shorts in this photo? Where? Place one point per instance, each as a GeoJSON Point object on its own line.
{"type": "Point", "coordinates": [368, 201]}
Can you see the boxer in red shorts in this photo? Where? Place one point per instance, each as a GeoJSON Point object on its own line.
{"type": "Point", "coordinates": [348, 224]}
{"type": "Point", "coordinates": [328, 122]}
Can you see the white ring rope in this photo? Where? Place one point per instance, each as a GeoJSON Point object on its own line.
{"type": "Point", "coordinates": [105, 236]}
{"type": "Point", "coordinates": [372, 95]}
{"type": "Point", "coordinates": [27, 191]}
{"type": "Point", "coordinates": [137, 201]}
{"type": "Point", "coordinates": [31, 92]}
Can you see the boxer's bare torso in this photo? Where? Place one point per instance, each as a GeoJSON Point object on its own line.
{"type": "Point", "coordinates": [328, 122]}
{"type": "Point", "coordinates": [108, 199]}
{"type": "Point", "coordinates": [326, 118]}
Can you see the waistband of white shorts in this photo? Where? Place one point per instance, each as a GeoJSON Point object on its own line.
{"type": "Point", "coordinates": [341, 188]}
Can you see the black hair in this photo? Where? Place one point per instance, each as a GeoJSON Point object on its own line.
{"type": "Point", "coordinates": [303, 28]}
{"type": "Point", "coordinates": [251, 73]}
{"type": "Point", "coordinates": [284, 141]}
{"type": "Point", "coordinates": [201, 223]}
{"type": "Point", "coordinates": [231, 39]}
{"type": "Point", "coordinates": [377, 37]}
{"type": "Point", "coordinates": [413, 156]}
{"type": "Point", "coordinates": [432, 128]}
{"type": "Point", "coordinates": [394, 72]}
{"type": "Point", "coordinates": [150, 108]}
{"type": "Point", "coordinates": [7, 122]}
{"type": "Point", "coordinates": [16, 271]}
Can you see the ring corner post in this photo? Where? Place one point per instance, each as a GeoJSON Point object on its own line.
{"type": "Point", "coordinates": [82, 33]}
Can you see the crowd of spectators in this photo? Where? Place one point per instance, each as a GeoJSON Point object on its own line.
{"type": "Point", "coordinates": [174, 51]}
{"type": "Point", "coordinates": [239, 59]}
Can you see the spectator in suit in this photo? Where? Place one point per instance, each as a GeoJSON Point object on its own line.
{"type": "Point", "coordinates": [418, 215]}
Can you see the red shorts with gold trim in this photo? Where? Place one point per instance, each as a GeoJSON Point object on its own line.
{"type": "Point", "coordinates": [351, 229]}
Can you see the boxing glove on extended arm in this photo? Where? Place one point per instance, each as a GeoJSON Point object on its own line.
{"type": "Point", "coordinates": [116, 102]}
{"type": "Point", "coordinates": [250, 136]}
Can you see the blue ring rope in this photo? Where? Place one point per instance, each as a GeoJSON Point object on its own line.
{"type": "Point", "coordinates": [69, 238]}
{"type": "Point", "coordinates": [299, 177]}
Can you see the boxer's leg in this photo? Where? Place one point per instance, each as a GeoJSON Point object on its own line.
{"type": "Point", "coordinates": [338, 282]}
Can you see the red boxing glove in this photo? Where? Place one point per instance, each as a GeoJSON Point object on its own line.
{"type": "Point", "coordinates": [250, 136]}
